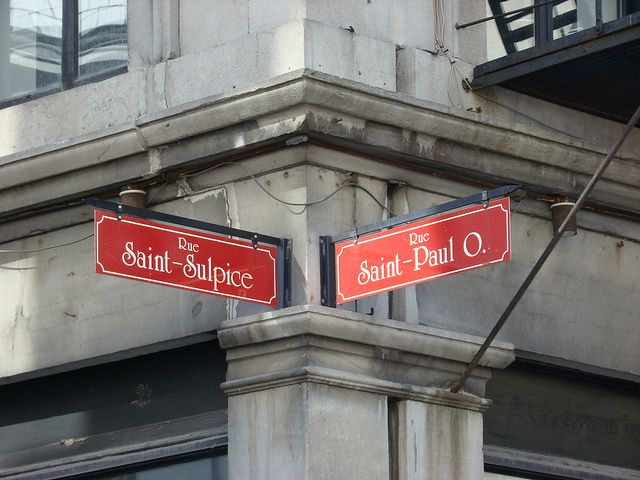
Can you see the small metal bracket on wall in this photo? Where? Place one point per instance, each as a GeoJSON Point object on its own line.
{"type": "Point", "coordinates": [284, 273]}
{"type": "Point", "coordinates": [327, 272]}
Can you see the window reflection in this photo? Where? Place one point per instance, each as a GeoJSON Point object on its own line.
{"type": "Point", "coordinates": [511, 32]}
{"type": "Point", "coordinates": [212, 468]}
{"type": "Point", "coordinates": [574, 16]}
{"type": "Point", "coordinates": [102, 36]}
{"type": "Point", "coordinates": [30, 46]}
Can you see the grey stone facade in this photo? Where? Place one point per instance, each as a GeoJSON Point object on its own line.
{"type": "Point", "coordinates": [306, 97]}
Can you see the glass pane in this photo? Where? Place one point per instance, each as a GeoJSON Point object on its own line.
{"type": "Point", "coordinates": [515, 31]}
{"type": "Point", "coordinates": [30, 46]}
{"type": "Point", "coordinates": [213, 468]}
{"type": "Point", "coordinates": [573, 16]}
{"type": "Point", "coordinates": [102, 42]}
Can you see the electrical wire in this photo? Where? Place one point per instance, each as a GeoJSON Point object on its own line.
{"type": "Point", "coordinates": [35, 250]}
{"type": "Point", "coordinates": [191, 193]}
{"type": "Point", "coordinates": [457, 78]}
{"type": "Point", "coordinates": [305, 205]}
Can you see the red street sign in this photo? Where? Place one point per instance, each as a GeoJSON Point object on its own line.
{"type": "Point", "coordinates": [431, 248]}
{"type": "Point", "coordinates": [193, 260]}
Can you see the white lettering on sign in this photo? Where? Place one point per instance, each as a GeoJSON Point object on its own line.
{"type": "Point", "coordinates": [439, 256]}
{"type": "Point", "coordinates": [427, 249]}
{"type": "Point", "coordinates": [423, 257]}
{"type": "Point", "coordinates": [465, 246]}
{"type": "Point", "coordinates": [216, 274]}
{"type": "Point", "coordinates": [380, 271]}
{"type": "Point", "coordinates": [416, 238]}
{"type": "Point", "coordinates": [144, 260]}
{"type": "Point", "coordinates": [184, 244]}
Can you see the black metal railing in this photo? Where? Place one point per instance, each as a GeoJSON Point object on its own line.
{"type": "Point", "coordinates": [547, 20]}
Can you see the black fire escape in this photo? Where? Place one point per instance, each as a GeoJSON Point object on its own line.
{"type": "Point", "coordinates": [593, 68]}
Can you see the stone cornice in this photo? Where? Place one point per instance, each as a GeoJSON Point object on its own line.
{"type": "Point", "coordinates": [336, 378]}
{"type": "Point", "coordinates": [314, 344]}
{"type": "Point", "coordinates": [351, 326]}
{"type": "Point", "coordinates": [342, 112]}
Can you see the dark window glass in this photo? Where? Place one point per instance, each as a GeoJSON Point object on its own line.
{"type": "Point", "coordinates": [49, 45]}
{"type": "Point", "coordinates": [212, 468]}
{"type": "Point", "coordinates": [155, 399]}
{"type": "Point", "coordinates": [102, 38]}
{"type": "Point", "coordinates": [557, 412]}
{"type": "Point", "coordinates": [30, 46]}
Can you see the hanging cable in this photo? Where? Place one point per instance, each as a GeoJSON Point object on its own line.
{"type": "Point", "coordinates": [305, 205]}
{"type": "Point", "coordinates": [253, 177]}
{"type": "Point", "coordinates": [35, 250]}
{"type": "Point", "coordinates": [457, 78]}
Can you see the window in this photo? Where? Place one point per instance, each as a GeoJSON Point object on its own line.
{"type": "Point", "coordinates": [205, 468]}
{"type": "Point", "coordinates": [50, 45]}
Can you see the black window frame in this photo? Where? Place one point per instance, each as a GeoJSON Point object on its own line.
{"type": "Point", "coordinates": [69, 76]}
{"type": "Point", "coordinates": [137, 463]}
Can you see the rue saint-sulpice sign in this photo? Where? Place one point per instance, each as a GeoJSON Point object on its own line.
{"type": "Point", "coordinates": [424, 250]}
{"type": "Point", "coordinates": [147, 251]}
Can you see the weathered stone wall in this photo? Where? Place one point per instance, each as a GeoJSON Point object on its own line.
{"type": "Point", "coordinates": [202, 88]}
{"type": "Point", "coordinates": [56, 310]}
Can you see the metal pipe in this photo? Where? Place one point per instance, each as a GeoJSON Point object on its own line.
{"type": "Point", "coordinates": [500, 15]}
{"type": "Point", "coordinates": [599, 15]}
{"type": "Point", "coordinates": [554, 241]}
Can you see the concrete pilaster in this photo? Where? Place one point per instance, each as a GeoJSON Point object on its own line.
{"type": "Point", "coordinates": [320, 393]}
{"type": "Point", "coordinates": [436, 441]}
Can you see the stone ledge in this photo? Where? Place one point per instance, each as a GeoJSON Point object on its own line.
{"type": "Point", "coordinates": [336, 378]}
{"type": "Point", "coordinates": [310, 343]}
{"type": "Point", "coordinates": [352, 326]}
{"type": "Point", "coordinates": [522, 460]}
{"type": "Point", "coordinates": [395, 125]}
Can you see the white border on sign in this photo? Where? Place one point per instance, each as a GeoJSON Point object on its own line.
{"type": "Point", "coordinates": [431, 277]}
{"type": "Point", "coordinates": [106, 215]}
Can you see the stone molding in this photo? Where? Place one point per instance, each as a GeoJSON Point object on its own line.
{"type": "Point", "coordinates": [521, 460]}
{"type": "Point", "coordinates": [310, 343]}
{"type": "Point", "coordinates": [335, 378]}
{"type": "Point", "coordinates": [313, 99]}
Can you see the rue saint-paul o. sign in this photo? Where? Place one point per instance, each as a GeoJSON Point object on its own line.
{"type": "Point", "coordinates": [408, 250]}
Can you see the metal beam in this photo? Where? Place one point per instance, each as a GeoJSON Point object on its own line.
{"type": "Point", "coordinates": [504, 14]}
{"type": "Point", "coordinates": [185, 222]}
{"type": "Point", "coordinates": [426, 212]}
{"type": "Point", "coordinates": [547, 251]}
